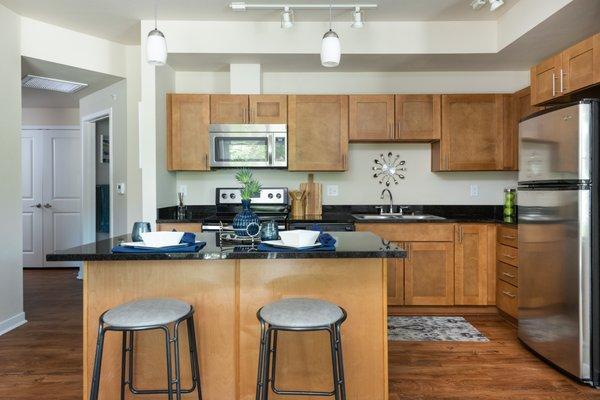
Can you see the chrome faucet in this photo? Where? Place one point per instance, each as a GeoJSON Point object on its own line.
{"type": "Point", "coordinates": [391, 210]}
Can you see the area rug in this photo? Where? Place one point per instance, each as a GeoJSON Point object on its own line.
{"type": "Point", "coordinates": [425, 329]}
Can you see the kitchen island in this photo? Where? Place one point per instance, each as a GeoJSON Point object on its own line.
{"type": "Point", "coordinates": [226, 286]}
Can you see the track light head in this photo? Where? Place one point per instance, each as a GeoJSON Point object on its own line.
{"type": "Point", "coordinates": [478, 4]}
{"type": "Point", "coordinates": [495, 4]}
{"type": "Point", "coordinates": [287, 18]}
{"type": "Point", "coordinates": [357, 18]}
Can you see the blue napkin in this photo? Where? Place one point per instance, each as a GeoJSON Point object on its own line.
{"type": "Point", "coordinates": [327, 244]}
{"type": "Point", "coordinates": [188, 238]}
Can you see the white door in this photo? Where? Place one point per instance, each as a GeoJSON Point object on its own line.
{"type": "Point", "coordinates": [32, 197]}
{"type": "Point", "coordinates": [62, 192]}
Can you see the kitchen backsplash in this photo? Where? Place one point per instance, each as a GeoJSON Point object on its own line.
{"type": "Point", "coordinates": [357, 185]}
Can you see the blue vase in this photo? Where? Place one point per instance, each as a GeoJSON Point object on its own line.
{"type": "Point", "coordinates": [245, 218]}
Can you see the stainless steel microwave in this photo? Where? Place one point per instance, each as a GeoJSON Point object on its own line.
{"type": "Point", "coordinates": [248, 145]}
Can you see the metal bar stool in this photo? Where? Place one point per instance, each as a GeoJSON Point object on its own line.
{"type": "Point", "coordinates": [145, 315]}
{"type": "Point", "coordinates": [299, 315]}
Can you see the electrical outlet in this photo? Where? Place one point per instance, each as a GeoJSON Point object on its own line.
{"type": "Point", "coordinates": [120, 188]}
{"type": "Point", "coordinates": [183, 189]}
{"type": "Point", "coordinates": [333, 190]}
{"type": "Point", "coordinates": [474, 189]}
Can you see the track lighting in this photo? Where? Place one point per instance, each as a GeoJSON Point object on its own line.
{"type": "Point", "coordinates": [287, 18]}
{"type": "Point", "coordinates": [331, 50]}
{"type": "Point", "coordinates": [494, 4]}
{"type": "Point", "coordinates": [357, 18]}
{"type": "Point", "coordinates": [156, 46]}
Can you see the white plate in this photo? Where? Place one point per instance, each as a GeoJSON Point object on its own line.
{"type": "Point", "coordinates": [279, 243]}
{"type": "Point", "coordinates": [141, 245]}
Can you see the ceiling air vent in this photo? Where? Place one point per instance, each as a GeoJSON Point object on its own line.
{"type": "Point", "coordinates": [56, 85]}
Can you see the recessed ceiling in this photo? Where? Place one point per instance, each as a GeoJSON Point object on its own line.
{"type": "Point", "coordinates": [34, 98]}
{"type": "Point", "coordinates": [118, 20]}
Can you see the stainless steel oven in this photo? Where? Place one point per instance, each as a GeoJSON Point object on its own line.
{"type": "Point", "coordinates": [248, 145]}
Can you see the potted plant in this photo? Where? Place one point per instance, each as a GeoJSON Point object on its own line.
{"type": "Point", "coordinates": [250, 187]}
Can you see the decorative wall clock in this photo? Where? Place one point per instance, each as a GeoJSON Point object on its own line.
{"type": "Point", "coordinates": [389, 168]}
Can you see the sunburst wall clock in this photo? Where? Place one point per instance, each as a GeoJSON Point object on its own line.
{"type": "Point", "coordinates": [389, 168]}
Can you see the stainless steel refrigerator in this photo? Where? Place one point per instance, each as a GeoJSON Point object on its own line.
{"type": "Point", "coordinates": [558, 237]}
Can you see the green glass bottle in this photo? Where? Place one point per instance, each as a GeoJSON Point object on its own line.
{"type": "Point", "coordinates": [509, 205]}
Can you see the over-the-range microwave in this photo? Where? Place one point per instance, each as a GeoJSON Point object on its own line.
{"type": "Point", "coordinates": [248, 145]}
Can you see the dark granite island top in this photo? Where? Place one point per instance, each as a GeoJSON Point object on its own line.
{"type": "Point", "coordinates": [349, 245]}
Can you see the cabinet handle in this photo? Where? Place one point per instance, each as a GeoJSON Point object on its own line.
{"type": "Point", "coordinates": [408, 251]}
{"type": "Point", "coordinates": [509, 275]}
{"type": "Point", "coordinates": [562, 75]}
{"type": "Point", "coordinates": [206, 160]}
{"type": "Point", "coordinates": [509, 256]}
{"type": "Point", "coordinates": [460, 234]}
{"type": "Point", "coordinates": [509, 237]}
{"type": "Point", "coordinates": [509, 294]}
{"type": "Point", "coordinates": [553, 84]}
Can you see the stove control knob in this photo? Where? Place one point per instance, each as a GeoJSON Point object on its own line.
{"type": "Point", "coordinates": [270, 195]}
{"type": "Point", "coordinates": [224, 196]}
{"type": "Point", "coordinates": [232, 196]}
{"type": "Point", "coordinates": [279, 195]}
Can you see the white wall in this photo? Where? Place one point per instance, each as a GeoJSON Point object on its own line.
{"type": "Point", "coordinates": [50, 116]}
{"type": "Point", "coordinates": [357, 186]}
{"type": "Point", "coordinates": [113, 97]}
{"type": "Point", "coordinates": [11, 229]}
{"type": "Point", "coordinates": [166, 181]}
{"type": "Point", "coordinates": [134, 171]}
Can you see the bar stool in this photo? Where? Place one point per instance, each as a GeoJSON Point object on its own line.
{"type": "Point", "coordinates": [299, 315]}
{"type": "Point", "coordinates": [145, 315]}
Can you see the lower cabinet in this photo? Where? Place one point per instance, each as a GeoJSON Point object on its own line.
{"type": "Point", "coordinates": [471, 267]}
{"type": "Point", "coordinates": [429, 274]}
{"type": "Point", "coordinates": [395, 281]}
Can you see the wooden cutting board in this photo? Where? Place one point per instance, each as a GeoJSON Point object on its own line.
{"type": "Point", "coordinates": [314, 197]}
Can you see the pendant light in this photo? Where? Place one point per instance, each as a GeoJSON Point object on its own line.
{"type": "Point", "coordinates": [156, 45]}
{"type": "Point", "coordinates": [331, 50]}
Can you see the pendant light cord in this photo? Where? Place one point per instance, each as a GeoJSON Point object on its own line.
{"type": "Point", "coordinates": [330, 17]}
{"type": "Point", "coordinates": [155, 15]}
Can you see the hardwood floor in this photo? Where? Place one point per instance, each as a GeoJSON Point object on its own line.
{"type": "Point", "coordinates": [42, 359]}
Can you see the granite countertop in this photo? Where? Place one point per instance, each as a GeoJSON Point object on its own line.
{"type": "Point", "coordinates": [349, 245]}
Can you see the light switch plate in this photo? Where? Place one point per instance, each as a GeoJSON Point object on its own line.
{"type": "Point", "coordinates": [333, 190]}
{"type": "Point", "coordinates": [474, 190]}
{"type": "Point", "coordinates": [120, 188]}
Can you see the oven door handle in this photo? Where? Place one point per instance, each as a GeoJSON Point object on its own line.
{"type": "Point", "coordinates": [270, 146]}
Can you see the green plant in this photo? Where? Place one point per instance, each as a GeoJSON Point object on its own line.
{"type": "Point", "coordinates": [251, 187]}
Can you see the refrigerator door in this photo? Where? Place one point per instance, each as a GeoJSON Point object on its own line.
{"type": "Point", "coordinates": [555, 146]}
{"type": "Point", "coordinates": [554, 276]}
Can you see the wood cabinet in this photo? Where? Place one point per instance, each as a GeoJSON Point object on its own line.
{"type": "Point", "coordinates": [187, 132]}
{"type": "Point", "coordinates": [471, 271]}
{"type": "Point", "coordinates": [429, 274]}
{"type": "Point", "coordinates": [179, 227]}
{"type": "Point", "coordinates": [248, 109]}
{"type": "Point", "coordinates": [317, 133]}
{"type": "Point", "coordinates": [573, 69]}
{"type": "Point", "coordinates": [520, 108]}
{"type": "Point", "coordinates": [229, 109]}
{"type": "Point", "coordinates": [474, 127]}
{"type": "Point", "coordinates": [418, 117]}
{"type": "Point", "coordinates": [371, 118]}
{"type": "Point", "coordinates": [268, 109]}
{"type": "Point", "coordinates": [395, 281]}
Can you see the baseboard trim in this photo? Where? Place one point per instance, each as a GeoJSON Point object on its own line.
{"type": "Point", "coordinates": [442, 310]}
{"type": "Point", "coordinates": [12, 323]}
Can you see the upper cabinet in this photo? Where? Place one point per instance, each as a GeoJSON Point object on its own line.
{"type": "Point", "coordinates": [575, 68]}
{"type": "Point", "coordinates": [418, 117]}
{"type": "Point", "coordinates": [187, 132]}
{"type": "Point", "coordinates": [371, 118]}
{"type": "Point", "coordinates": [248, 109]}
{"type": "Point", "coordinates": [317, 133]}
{"type": "Point", "coordinates": [268, 109]}
{"type": "Point", "coordinates": [474, 127]}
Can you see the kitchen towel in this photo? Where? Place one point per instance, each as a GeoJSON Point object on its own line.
{"type": "Point", "coordinates": [327, 244]}
{"type": "Point", "coordinates": [188, 238]}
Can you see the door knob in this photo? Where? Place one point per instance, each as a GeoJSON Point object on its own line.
{"type": "Point", "coordinates": [47, 205]}
{"type": "Point", "coordinates": [38, 205]}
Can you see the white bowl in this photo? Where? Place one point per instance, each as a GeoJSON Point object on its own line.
{"type": "Point", "coordinates": [299, 238]}
{"type": "Point", "coordinates": [161, 239]}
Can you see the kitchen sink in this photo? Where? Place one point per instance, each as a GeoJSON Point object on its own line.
{"type": "Point", "coordinates": [396, 217]}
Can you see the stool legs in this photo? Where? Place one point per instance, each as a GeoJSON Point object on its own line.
{"type": "Point", "coordinates": [194, 357]}
{"type": "Point", "coordinates": [340, 360]}
{"type": "Point", "coordinates": [97, 363]}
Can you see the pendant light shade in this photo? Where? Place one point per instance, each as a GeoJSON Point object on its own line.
{"type": "Point", "coordinates": [156, 48]}
{"type": "Point", "coordinates": [331, 50]}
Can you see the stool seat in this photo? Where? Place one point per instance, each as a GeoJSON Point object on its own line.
{"type": "Point", "coordinates": [146, 312]}
{"type": "Point", "coordinates": [301, 313]}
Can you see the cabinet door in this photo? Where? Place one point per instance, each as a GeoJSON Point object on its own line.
{"type": "Point", "coordinates": [429, 274]}
{"type": "Point", "coordinates": [371, 118]}
{"type": "Point", "coordinates": [317, 133]}
{"type": "Point", "coordinates": [229, 109]}
{"type": "Point", "coordinates": [471, 265]}
{"type": "Point", "coordinates": [578, 66]}
{"type": "Point", "coordinates": [544, 80]}
{"type": "Point", "coordinates": [395, 280]}
{"type": "Point", "coordinates": [268, 109]}
{"type": "Point", "coordinates": [472, 133]}
{"type": "Point", "coordinates": [187, 132]}
{"type": "Point", "coordinates": [418, 117]}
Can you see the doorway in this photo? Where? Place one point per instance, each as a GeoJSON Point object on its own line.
{"type": "Point", "coordinates": [103, 210]}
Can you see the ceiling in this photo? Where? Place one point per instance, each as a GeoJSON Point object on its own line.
{"type": "Point", "coordinates": [34, 98]}
{"type": "Point", "coordinates": [118, 20]}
